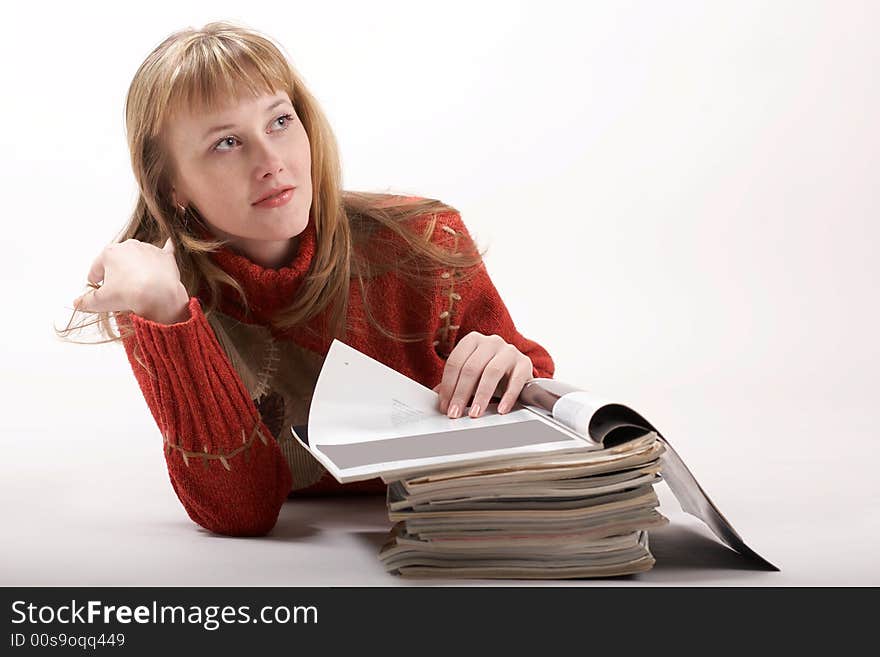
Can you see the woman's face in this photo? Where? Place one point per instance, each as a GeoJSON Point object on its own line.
{"type": "Point", "coordinates": [227, 161]}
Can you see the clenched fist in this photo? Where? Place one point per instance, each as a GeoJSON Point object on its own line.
{"type": "Point", "coordinates": [139, 277]}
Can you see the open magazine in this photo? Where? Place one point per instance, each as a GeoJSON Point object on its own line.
{"type": "Point", "coordinates": [368, 420]}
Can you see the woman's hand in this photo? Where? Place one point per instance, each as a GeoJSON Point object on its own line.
{"type": "Point", "coordinates": [138, 277]}
{"type": "Point", "coordinates": [480, 362]}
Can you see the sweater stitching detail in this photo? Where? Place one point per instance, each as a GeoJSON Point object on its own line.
{"type": "Point", "coordinates": [223, 457]}
{"type": "Point", "coordinates": [268, 370]}
{"type": "Point", "coordinates": [446, 329]}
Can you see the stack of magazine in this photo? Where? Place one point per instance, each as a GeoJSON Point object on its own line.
{"type": "Point", "coordinates": [561, 486]}
{"type": "Point", "coordinates": [569, 515]}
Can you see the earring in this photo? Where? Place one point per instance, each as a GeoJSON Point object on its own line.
{"type": "Point", "coordinates": [181, 212]}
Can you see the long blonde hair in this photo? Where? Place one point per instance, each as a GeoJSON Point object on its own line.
{"type": "Point", "coordinates": [202, 69]}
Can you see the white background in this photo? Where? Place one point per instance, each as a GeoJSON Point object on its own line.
{"type": "Point", "coordinates": [679, 200]}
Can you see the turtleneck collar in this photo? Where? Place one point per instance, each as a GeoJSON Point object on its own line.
{"type": "Point", "coordinates": [267, 289]}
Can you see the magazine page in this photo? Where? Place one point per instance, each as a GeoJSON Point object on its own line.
{"type": "Point", "coordinates": [586, 413]}
{"type": "Point", "coordinates": [568, 404]}
{"type": "Point", "coordinates": [609, 422]}
{"type": "Point", "coordinates": [693, 500]}
{"type": "Point", "coordinates": [367, 419]}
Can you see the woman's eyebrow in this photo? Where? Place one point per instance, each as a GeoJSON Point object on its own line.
{"type": "Point", "coordinates": [228, 126]}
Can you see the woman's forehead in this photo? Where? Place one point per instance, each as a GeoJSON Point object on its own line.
{"type": "Point", "coordinates": [201, 108]}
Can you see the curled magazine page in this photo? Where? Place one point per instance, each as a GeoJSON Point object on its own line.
{"type": "Point", "coordinates": [608, 422]}
{"type": "Point", "coordinates": [693, 500]}
{"type": "Point", "coordinates": [366, 419]}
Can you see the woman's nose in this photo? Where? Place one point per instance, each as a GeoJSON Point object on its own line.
{"type": "Point", "coordinates": [267, 159]}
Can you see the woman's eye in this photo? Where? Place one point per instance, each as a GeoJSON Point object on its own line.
{"type": "Point", "coordinates": [222, 141]}
{"type": "Point", "coordinates": [287, 118]}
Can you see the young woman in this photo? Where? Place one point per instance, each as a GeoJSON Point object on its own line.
{"type": "Point", "coordinates": [244, 258]}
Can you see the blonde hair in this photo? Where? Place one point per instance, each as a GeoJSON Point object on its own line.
{"type": "Point", "coordinates": [202, 69]}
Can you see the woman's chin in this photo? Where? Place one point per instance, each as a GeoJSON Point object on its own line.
{"type": "Point", "coordinates": [296, 227]}
{"type": "Point", "coordinates": [284, 228]}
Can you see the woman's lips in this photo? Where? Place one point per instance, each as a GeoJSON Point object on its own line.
{"type": "Point", "coordinates": [276, 201]}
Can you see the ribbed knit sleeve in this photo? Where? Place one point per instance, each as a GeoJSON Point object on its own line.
{"type": "Point", "coordinates": [474, 304]}
{"type": "Point", "coordinates": [224, 465]}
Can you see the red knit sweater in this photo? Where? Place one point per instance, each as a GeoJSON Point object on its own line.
{"type": "Point", "coordinates": [224, 461]}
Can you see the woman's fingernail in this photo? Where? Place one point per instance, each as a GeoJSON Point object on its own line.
{"type": "Point", "coordinates": [475, 410]}
{"type": "Point", "coordinates": [453, 411]}
{"type": "Point", "coordinates": [502, 407]}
